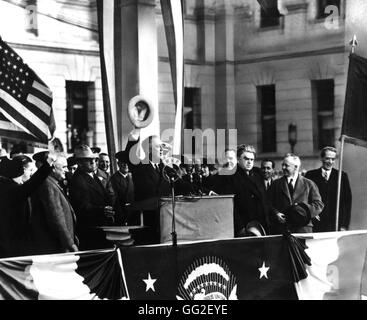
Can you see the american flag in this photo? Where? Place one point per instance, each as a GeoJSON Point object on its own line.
{"type": "Point", "coordinates": [25, 100]}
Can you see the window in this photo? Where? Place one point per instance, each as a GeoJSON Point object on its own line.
{"type": "Point", "coordinates": [323, 4]}
{"type": "Point", "coordinates": [323, 99]}
{"type": "Point", "coordinates": [192, 108]}
{"type": "Point", "coordinates": [266, 98]}
{"type": "Point", "coordinates": [269, 14]}
{"type": "Point", "coordinates": [191, 111]}
{"type": "Point", "coordinates": [77, 113]}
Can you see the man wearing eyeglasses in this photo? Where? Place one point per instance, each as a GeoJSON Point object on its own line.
{"type": "Point", "coordinates": [91, 201]}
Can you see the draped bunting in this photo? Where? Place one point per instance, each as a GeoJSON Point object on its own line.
{"type": "Point", "coordinates": [302, 266]}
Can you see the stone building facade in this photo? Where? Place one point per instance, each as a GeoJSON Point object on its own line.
{"type": "Point", "coordinates": [242, 70]}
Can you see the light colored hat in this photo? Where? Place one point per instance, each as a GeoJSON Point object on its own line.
{"type": "Point", "coordinates": [140, 111]}
{"type": "Point", "coordinates": [3, 153]}
{"type": "Point", "coordinates": [84, 152]}
{"type": "Point", "coordinates": [254, 228]}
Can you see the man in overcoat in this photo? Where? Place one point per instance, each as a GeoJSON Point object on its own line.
{"type": "Point", "coordinates": [295, 200]}
{"type": "Point", "coordinates": [92, 203]}
{"type": "Point", "coordinates": [53, 219]}
{"type": "Point", "coordinates": [326, 179]}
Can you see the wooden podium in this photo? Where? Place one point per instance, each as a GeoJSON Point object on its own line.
{"type": "Point", "coordinates": [197, 218]}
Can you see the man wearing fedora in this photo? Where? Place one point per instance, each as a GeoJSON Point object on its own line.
{"type": "Point", "coordinates": [91, 201]}
{"type": "Point", "coordinates": [295, 200]}
{"type": "Point", "coordinates": [15, 209]}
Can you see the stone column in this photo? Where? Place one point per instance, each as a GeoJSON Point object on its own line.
{"type": "Point", "coordinates": [224, 66]}
{"type": "Point", "coordinates": [136, 61]}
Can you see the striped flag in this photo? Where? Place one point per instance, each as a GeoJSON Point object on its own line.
{"type": "Point", "coordinates": [25, 100]}
{"type": "Point", "coordinates": [338, 270]}
{"type": "Point", "coordinates": [174, 27]}
{"type": "Point", "coordinates": [93, 275]}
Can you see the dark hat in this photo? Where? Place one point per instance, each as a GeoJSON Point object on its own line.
{"type": "Point", "coordinates": [95, 149]}
{"type": "Point", "coordinates": [122, 156]}
{"type": "Point", "coordinates": [298, 215]}
{"type": "Point", "coordinates": [11, 168]}
{"type": "Point", "coordinates": [41, 156]}
{"type": "Point", "coordinates": [205, 163]}
{"type": "Point", "coordinates": [71, 161]}
{"type": "Point", "coordinates": [212, 167]}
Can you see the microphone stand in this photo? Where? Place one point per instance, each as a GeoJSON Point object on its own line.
{"type": "Point", "coordinates": [173, 233]}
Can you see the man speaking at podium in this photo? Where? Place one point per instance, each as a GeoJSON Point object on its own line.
{"type": "Point", "coordinates": [145, 161]}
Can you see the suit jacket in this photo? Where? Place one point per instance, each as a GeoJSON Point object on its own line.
{"type": "Point", "coordinates": [53, 220]}
{"type": "Point", "coordinates": [264, 186]}
{"type": "Point", "coordinates": [149, 183]}
{"type": "Point", "coordinates": [124, 192]}
{"type": "Point", "coordinates": [88, 198]}
{"type": "Point", "coordinates": [305, 191]}
{"type": "Point", "coordinates": [328, 191]}
{"type": "Point", "coordinates": [103, 176]}
{"type": "Point", "coordinates": [15, 213]}
{"type": "Point", "coordinates": [250, 202]}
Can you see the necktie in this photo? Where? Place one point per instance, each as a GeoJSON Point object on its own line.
{"type": "Point", "coordinates": [156, 167]}
{"type": "Point", "coordinates": [325, 176]}
{"type": "Point", "coordinates": [290, 187]}
{"type": "Point", "coordinates": [96, 179]}
{"type": "Point", "coordinates": [267, 185]}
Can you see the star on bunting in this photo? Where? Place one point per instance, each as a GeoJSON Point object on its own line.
{"type": "Point", "coordinates": [150, 283]}
{"type": "Point", "coordinates": [264, 271]}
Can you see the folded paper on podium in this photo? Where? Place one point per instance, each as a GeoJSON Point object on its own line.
{"type": "Point", "coordinates": [197, 218]}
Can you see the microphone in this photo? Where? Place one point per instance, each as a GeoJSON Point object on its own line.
{"type": "Point", "coordinates": [171, 169]}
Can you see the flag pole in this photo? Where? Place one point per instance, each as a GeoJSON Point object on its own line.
{"type": "Point", "coordinates": [353, 43]}
{"type": "Point", "coordinates": [111, 143]}
{"type": "Point", "coordinates": [339, 183]}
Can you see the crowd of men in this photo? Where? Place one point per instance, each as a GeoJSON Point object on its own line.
{"type": "Point", "coordinates": [63, 205]}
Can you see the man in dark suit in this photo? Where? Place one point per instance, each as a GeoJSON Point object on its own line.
{"type": "Point", "coordinates": [90, 200]}
{"type": "Point", "coordinates": [326, 178]}
{"type": "Point", "coordinates": [145, 163]}
{"type": "Point", "coordinates": [267, 170]}
{"type": "Point", "coordinates": [103, 167]}
{"type": "Point", "coordinates": [123, 187]}
{"type": "Point", "coordinates": [293, 191]}
{"type": "Point", "coordinates": [52, 228]}
{"type": "Point", "coordinates": [250, 203]}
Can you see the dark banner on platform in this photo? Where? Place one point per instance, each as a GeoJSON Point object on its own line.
{"type": "Point", "coordinates": [238, 269]}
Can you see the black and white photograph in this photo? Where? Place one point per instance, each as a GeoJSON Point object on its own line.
{"type": "Point", "coordinates": [166, 151]}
